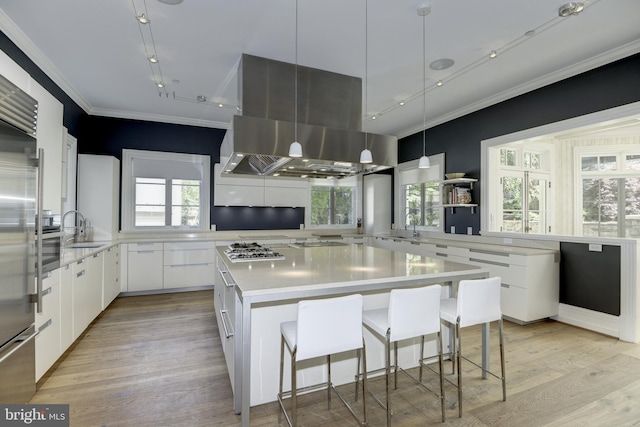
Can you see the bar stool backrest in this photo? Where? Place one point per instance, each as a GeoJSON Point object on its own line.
{"type": "Point", "coordinates": [414, 312]}
{"type": "Point", "coordinates": [329, 326]}
{"type": "Point", "coordinates": [479, 301]}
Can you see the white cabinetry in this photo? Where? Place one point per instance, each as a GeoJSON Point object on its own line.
{"type": "Point", "coordinates": [225, 303]}
{"type": "Point", "coordinates": [144, 266]}
{"type": "Point", "coordinates": [188, 264]}
{"type": "Point", "coordinates": [87, 292]}
{"type": "Point", "coordinates": [111, 275]}
{"type": "Point", "coordinates": [66, 307]}
{"type": "Point", "coordinates": [235, 190]}
{"type": "Point", "coordinates": [49, 136]}
{"type": "Point", "coordinates": [48, 324]}
{"type": "Point", "coordinates": [13, 72]}
{"type": "Point", "coordinates": [99, 193]}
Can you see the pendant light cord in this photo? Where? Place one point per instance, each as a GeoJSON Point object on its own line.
{"type": "Point", "coordinates": [366, 71]}
{"type": "Point", "coordinates": [295, 108]}
{"type": "Point", "coordinates": [424, 87]}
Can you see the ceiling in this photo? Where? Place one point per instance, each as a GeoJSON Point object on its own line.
{"type": "Point", "coordinates": [94, 51]}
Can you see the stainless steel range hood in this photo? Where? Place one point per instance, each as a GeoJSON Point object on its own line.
{"type": "Point", "coordinates": [329, 124]}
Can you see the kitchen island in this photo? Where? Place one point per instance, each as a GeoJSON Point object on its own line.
{"type": "Point", "coordinates": [265, 293]}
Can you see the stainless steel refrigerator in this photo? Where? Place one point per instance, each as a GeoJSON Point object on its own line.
{"type": "Point", "coordinates": [19, 207]}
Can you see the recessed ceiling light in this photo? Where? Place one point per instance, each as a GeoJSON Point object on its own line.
{"type": "Point", "coordinates": [171, 2]}
{"type": "Point", "coordinates": [401, 103]}
{"type": "Point", "coordinates": [439, 83]}
{"type": "Point", "coordinates": [442, 64]}
{"type": "Point", "coordinates": [530, 33]}
{"type": "Point", "coordinates": [221, 105]}
{"type": "Point", "coordinates": [493, 54]}
{"type": "Point", "coordinates": [153, 59]}
{"type": "Point", "coordinates": [374, 117]}
{"type": "Point", "coordinates": [201, 98]}
{"type": "Point", "coordinates": [160, 84]}
{"type": "Point", "coordinates": [143, 19]}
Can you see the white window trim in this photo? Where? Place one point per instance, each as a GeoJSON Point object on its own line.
{"type": "Point", "coordinates": [435, 160]}
{"type": "Point", "coordinates": [128, 184]}
{"type": "Point", "coordinates": [620, 151]}
{"type": "Point", "coordinates": [352, 182]}
{"type": "Point", "coordinates": [487, 173]}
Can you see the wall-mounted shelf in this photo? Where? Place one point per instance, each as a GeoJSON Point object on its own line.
{"type": "Point", "coordinates": [449, 193]}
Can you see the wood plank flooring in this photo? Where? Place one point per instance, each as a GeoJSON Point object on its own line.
{"type": "Point", "coordinates": [156, 361]}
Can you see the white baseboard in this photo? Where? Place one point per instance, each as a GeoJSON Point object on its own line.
{"type": "Point", "coordinates": [588, 319]}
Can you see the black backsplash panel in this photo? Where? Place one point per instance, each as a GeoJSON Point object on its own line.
{"type": "Point", "coordinates": [256, 218]}
{"type": "Point", "coordinates": [590, 279]}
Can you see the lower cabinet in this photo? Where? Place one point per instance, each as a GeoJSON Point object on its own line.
{"type": "Point", "coordinates": [73, 296]}
{"type": "Point", "coordinates": [111, 275]}
{"type": "Point", "coordinates": [144, 266]}
{"type": "Point", "coordinates": [189, 264]}
{"type": "Point", "coordinates": [171, 265]}
{"type": "Point", "coordinates": [87, 292]}
{"type": "Point", "coordinates": [225, 304]}
{"type": "Point", "coordinates": [48, 324]}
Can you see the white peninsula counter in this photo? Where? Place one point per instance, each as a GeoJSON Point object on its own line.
{"type": "Point", "coordinates": [253, 298]}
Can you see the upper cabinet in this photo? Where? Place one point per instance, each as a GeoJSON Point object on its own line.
{"type": "Point", "coordinates": [50, 138]}
{"type": "Point", "coordinates": [238, 190]}
{"type": "Point", "coordinates": [13, 72]}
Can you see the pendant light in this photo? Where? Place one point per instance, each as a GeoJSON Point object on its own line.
{"type": "Point", "coordinates": [295, 149]}
{"type": "Point", "coordinates": [424, 162]}
{"type": "Point", "coordinates": [365, 155]}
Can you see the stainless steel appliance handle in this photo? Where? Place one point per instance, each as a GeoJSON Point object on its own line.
{"type": "Point", "coordinates": [39, 231]}
{"type": "Point", "coordinates": [16, 348]}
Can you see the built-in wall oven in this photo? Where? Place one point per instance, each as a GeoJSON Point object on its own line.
{"type": "Point", "coordinates": [51, 248]}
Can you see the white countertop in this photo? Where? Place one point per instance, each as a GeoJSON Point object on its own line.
{"type": "Point", "coordinates": [69, 255]}
{"type": "Point", "coordinates": [326, 268]}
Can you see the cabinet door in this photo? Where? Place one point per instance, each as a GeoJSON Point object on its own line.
{"type": "Point", "coordinates": [49, 136]}
{"type": "Point", "coordinates": [111, 279]}
{"type": "Point", "coordinates": [48, 325]}
{"type": "Point", "coordinates": [66, 307]}
{"type": "Point", "coordinates": [144, 270]}
{"type": "Point", "coordinates": [87, 292]}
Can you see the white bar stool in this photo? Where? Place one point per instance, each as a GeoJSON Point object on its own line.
{"type": "Point", "coordinates": [324, 327]}
{"type": "Point", "coordinates": [411, 313]}
{"type": "Point", "coordinates": [477, 302]}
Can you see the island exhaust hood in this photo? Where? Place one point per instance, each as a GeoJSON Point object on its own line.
{"type": "Point", "coordinates": [329, 124]}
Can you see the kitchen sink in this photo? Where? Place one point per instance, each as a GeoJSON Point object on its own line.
{"type": "Point", "coordinates": [81, 245]}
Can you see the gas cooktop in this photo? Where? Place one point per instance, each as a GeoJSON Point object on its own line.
{"type": "Point", "coordinates": [248, 252]}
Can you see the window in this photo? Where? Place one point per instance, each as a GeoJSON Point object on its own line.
{"type": "Point", "coordinates": [165, 190]}
{"type": "Point", "coordinates": [609, 188]}
{"type": "Point", "coordinates": [333, 204]}
{"type": "Point", "coordinates": [419, 191]}
{"type": "Point", "coordinates": [523, 178]}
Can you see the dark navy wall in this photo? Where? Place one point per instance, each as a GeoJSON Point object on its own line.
{"type": "Point", "coordinates": [606, 87]}
{"type": "Point", "coordinates": [72, 112]}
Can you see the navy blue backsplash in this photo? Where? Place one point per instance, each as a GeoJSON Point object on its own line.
{"type": "Point", "coordinates": [256, 218]}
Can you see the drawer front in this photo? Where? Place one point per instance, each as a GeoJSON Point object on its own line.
{"type": "Point", "coordinates": [189, 256]}
{"type": "Point", "coordinates": [496, 256]}
{"type": "Point", "coordinates": [513, 302]}
{"type": "Point", "coordinates": [50, 299]}
{"type": "Point", "coordinates": [149, 246]}
{"type": "Point", "coordinates": [511, 274]}
{"type": "Point", "coordinates": [189, 245]}
{"type": "Point", "coordinates": [184, 276]}
{"type": "Point", "coordinates": [47, 345]}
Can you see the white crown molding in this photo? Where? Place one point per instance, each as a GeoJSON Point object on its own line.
{"type": "Point", "coordinates": [570, 71]}
{"type": "Point", "coordinates": [15, 34]}
{"type": "Point", "coordinates": [120, 114]}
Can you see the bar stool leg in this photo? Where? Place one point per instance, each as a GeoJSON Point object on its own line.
{"type": "Point", "coordinates": [504, 379]}
{"type": "Point", "coordinates": [281, 373]}
{"type": "Point", "coordinates": [364, 382]}
{"type": "Point", "coordinates": [388, 378]}
{"type": "Point", "coordinates": [395, 365]}
{"type": "Point", "coordinates": [457, 356]}
{"type": "Point", "coordinates": [329, 384]}
{"type": "Point", "coordinates": [440, 366]}
{"type": "Point", "coordinates": [421, 356]}
{"type": "Point", "coordinates": [294, 394]}
{"type": "Point", "coordinates": [358, 355]}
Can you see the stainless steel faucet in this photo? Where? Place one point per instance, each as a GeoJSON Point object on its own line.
{"type": "Point", "coordinates": [78, 227]}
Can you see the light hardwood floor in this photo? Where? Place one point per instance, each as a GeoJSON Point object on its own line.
{"type": "Point", "coordinates": [156, 361]}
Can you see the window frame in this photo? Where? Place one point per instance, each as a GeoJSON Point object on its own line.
{"type": "Point", "coordinates": [411, 167]}
{"type": "Point", "coordinates": [163, 159]}
{"type": "Point", "coordinates": [332, 183]}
